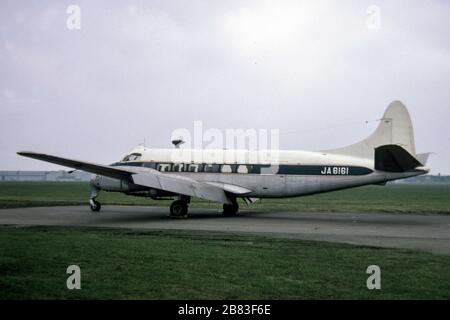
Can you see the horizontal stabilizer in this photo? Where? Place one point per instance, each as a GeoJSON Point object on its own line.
{"type": "Point", "coordinates": [423, 157]}
{"type": "Point", "coordinates": [393, 158]}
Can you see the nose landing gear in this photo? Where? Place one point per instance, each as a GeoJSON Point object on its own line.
{"type": "Point", "coordinates": [95, 205]}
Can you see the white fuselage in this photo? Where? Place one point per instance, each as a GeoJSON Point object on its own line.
{"type": "Point", "coordinates": [266, 173]}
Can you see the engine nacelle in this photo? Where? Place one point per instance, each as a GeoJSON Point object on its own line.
{"type": "Point", "coordinates": [122, 185]}
{"type": "Point", "coordinates": [111, 184]}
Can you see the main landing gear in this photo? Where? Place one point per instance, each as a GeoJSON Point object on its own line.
{"type": "Point", "coordinates": [179, 208]}
{"type": "Point", "coordinates": [230, 210]}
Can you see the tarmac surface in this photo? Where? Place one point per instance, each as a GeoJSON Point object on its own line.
{"type": "Point", "coordinates": [419, 232]}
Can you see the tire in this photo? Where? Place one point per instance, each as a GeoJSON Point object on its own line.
{"type": "Point", "coordinates": [96, 207]}
{"type": "Point", "coordinates": [230, 210]}
{"type": "Point", "coordinates": [178, 208]}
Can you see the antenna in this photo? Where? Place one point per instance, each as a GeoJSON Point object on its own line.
{"type": "Point", "coordinates": [178, 142]}
{"type": "Point", "coordinates": [142, 143]}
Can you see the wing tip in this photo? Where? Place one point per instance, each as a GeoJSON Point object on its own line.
{"type": "Point", "coordinates": [25, 153]}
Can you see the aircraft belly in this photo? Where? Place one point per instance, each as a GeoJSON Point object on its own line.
{"type": "Point", "coordinates": [261, 185]}
{"type": "Point", "coordinates": [299, 185]}
{"type": "Point", "coordinates": [264, 185]}
{"type": "Point", "coordinates": [304, 185]}
{"type": "Point", "coordinates": [277, 185]}
{"type": "Point", "coordinates": [330, 183]}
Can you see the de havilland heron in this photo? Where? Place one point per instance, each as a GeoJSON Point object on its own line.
{"type": "Point", "coordinates": [226, 175]}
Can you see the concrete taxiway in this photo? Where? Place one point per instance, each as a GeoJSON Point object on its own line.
{"type": "Point", "coordinates": [419, 232]}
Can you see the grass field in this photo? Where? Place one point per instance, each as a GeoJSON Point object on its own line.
{"type": "Point", "coordinates": [393, 198]}
{"type": "Point", "coordinates": [124, 264]}
{"type": "Point", "coordinates": [119, 264]}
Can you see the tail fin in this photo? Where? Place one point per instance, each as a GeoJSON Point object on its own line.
{"type": "Point", "coordinates": [395, 128]}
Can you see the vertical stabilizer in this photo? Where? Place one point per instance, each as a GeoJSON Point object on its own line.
{"type": "Point", "coordinates": [395, 128]}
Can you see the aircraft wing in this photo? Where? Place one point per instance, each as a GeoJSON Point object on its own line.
{"type": "Point", "coordinates": [181, 185]}
{"type": "Point", "coordinates": [109, 171]}
{"type": "Point", "coordinates": [149, 178]}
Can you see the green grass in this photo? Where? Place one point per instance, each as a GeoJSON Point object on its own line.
{"type": "Point", "coordinates": [392, 198]}
{"type": "Point", "coordinates": [121, 264]}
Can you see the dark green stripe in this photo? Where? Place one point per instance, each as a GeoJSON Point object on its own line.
{"type": "Point", "coordinates": [287, 169]}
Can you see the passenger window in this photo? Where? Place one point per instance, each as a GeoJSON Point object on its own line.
{"type": "Point", "coordinates": [179, 167]}
{"type": "Point", "coordinates": [212, 168]}
{"type": "Point", "coordinates": [164, 167]}
{"type": "Point", "coordinates": [193, 168]}
{"type": "Point", "coordinates": [242, 169]}
{"type": "Point", "coordinates": [226, 168]}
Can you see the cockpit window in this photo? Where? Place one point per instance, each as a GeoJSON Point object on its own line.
{"type": "Point", "coordinates": [132, 157]}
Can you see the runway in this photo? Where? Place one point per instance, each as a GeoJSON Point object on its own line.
{"type": "Point", "coordinates": [419, 232]}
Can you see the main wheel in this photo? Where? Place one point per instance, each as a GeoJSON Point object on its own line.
{"type": "Point", "coordinates": [179, 208]}
{"type": "Point", "coordinates": [230, 209]}
{"type": "Point", "coordinates": [95, 206]}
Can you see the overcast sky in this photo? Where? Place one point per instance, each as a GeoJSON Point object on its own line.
{"type": "Point", "coordinates": [137, 70]}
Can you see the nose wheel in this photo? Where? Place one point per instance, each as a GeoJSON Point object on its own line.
{"type": "Point", "coordinates": [95, 205]}
{"type": "Point", "coordinates": [179, 209]}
